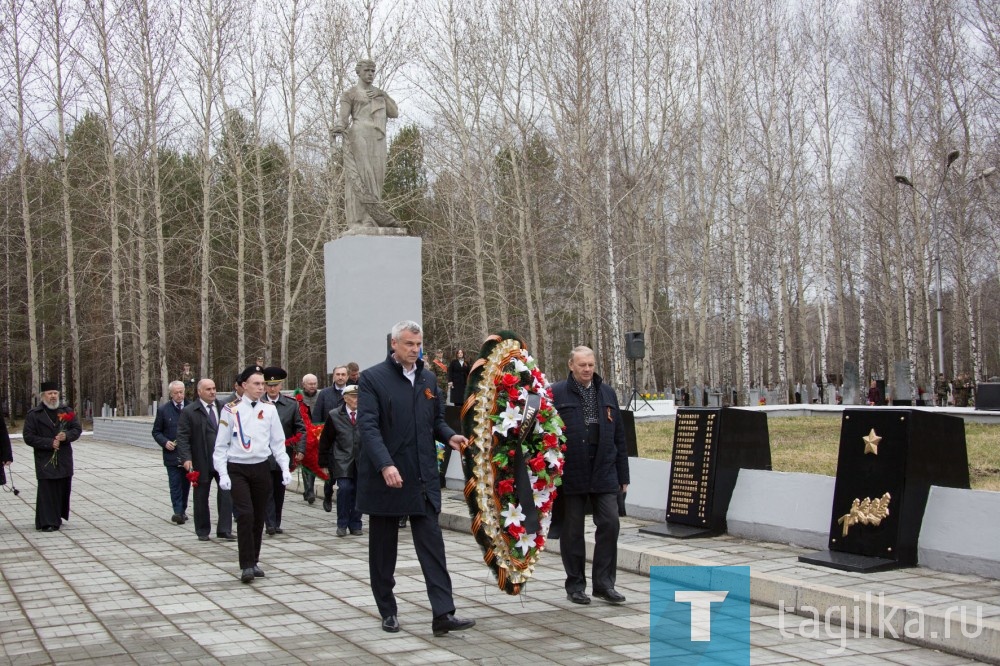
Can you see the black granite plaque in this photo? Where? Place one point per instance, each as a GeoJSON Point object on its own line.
{"type": "Point", "coordinates": [887, 462]}
{"type": "Point", "coordinates": [710, 447]}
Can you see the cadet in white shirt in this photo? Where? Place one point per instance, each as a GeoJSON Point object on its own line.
{"type": "Point", "coordinates": [249, 431]}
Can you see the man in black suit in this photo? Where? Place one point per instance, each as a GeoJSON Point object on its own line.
{"type": "Point", "coordinates": [165, 434]}
{"type": "Point", "coordinates": [295, 443]}
{"type": "Point", "coordinates": [331, 397]}
{"type": "Point", "coordinates": [400, 414]}
{"type": "Point", "coordinates": [196, 431]}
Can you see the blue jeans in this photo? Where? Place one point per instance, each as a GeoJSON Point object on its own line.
{"type": "Point", "coordinates": [348, 517]}
{"type": "Point", "coordinates": [179, 489]}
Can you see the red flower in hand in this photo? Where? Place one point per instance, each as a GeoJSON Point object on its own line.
{"type": "Point", "coordinates": [66, 417]}
{"type": "Point", "coordinates": [192, 476]}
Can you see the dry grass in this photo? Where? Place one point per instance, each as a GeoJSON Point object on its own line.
{"type": "Point", "coordinates": [809, 444]}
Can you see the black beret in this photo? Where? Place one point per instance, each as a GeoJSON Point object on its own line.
{"type": "Point", "coordinates": [250, 370]}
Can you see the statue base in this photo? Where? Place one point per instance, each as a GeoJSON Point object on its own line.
{"type": "Point", "coordinates": [372, 282]}
{"type": "Point", "coordinates": [375, 231]}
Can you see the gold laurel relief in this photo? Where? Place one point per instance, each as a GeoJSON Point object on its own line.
{"type": "Point", "coordinates": [865, 512]}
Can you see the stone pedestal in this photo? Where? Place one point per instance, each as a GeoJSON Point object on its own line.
{"type": "Point", "coordinates": [372, 282]}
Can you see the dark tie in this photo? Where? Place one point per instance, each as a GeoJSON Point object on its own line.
{"type": "Point", "coordinates": [178, 406]}
{"type": "Point", "coordinates": [211, 415]}
{"type": "Point", "coordinates": [253, 403]}
{"type": "Point", "coordinates": [353, 418]}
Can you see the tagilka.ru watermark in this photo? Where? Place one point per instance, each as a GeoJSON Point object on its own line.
{"type": "Point", "coordinates": [870, 617]}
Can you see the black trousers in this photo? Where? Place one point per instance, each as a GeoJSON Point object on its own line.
{"type": "Point", "coordinates": [383, 542]}
{"type": "Point", "coordinates": [573, 547]}
{"type": "Point", "coordinates": [223, 504]}
{"type": "Point", "coordinates": [52, 502]}
{"type": "Point", "coordinates": [277, 502]}
{"type": "Point", "coordinates": [251, 488]}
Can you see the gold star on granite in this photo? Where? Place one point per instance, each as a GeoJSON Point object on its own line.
{"type": "Point", "coordinates": [871, 442]}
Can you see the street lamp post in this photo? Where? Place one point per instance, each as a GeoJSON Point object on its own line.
{"type": "Point", "coordinates": [936, 230]}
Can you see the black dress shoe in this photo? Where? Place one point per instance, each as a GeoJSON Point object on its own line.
{"type": "Point", "coordinates": [444, 623]}
{"type": "Point", "coordinates": [227, 537]}
{"type": "Point", "coordinates": [270, 531]}
{"type": "Point", "coordinates": [258, 572]}
{"type": "Point", "coordinates": [341, 531]}
{"type": "Point", "coordinates": [390, 624]}
{"type": "Point", "coordinates": [203, 537]}
{"type": "Point", "coordinates": [611, 596]}
{"type": "Point", "coordinates": [309, 497]}
{"type": "Point", "coordinates": [278, 530]}
{"type": "Point", "coordinates": [247, 575]}
{"type": "Point", "coordinates": [402, 520]}
{"type": "Point", "coordinates": [177, 518]}
{"type": "Point", "coordinates": [578, 598]}
{"type": "Point", "coordinates": [328, 505]}
{"type": "Point", "coordinates": [357, 532]}
{"type": "Point", "coordinates": [184, 518]}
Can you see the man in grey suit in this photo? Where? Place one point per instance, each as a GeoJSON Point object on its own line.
{"type": "Point", "coordinates": [196, 431]}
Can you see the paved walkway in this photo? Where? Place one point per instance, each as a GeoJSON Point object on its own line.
{"type": "Point", "coordinates": [120, 583]}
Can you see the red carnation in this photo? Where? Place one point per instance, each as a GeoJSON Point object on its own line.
{"type": "Point", "coordinates": [505, 486]}
{"type": "Point", "coordinates": [192, 476]}
{"type": "Point", "coordinates": [537, 464]}
{"type": "Point", "coordinates": [66, 417]}
{"type": "Point", "coordinates": [515, 531]}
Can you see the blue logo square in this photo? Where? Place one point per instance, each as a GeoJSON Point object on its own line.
{"type": "Point", "coordinates": [699, 616]}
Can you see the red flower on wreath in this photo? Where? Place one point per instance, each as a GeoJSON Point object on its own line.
{"type": "Point", "coordinates": [505, 486]}
{"type": "Point", "coordinates": [550, 440]}
{"type": "Point", "coordinates": [510, 380]}
{"type": "Point", "coordinates": [515, 531]}
{"type": "Point", "coordinates": [537, 464]}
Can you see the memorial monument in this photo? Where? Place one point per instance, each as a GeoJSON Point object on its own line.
{"type": "Point", "coordinates": [373, 271]}
{"type": "Point", "coordinates": [710, 447]}
{"type": "Point", "coordinates": [887, 462]}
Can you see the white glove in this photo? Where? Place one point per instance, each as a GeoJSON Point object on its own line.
{"type": "Point", "coordinates": [286, 478]}
{"type": "Point", "coordinates": [225, 483]}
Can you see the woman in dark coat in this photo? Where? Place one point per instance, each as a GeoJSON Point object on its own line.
{"type": "Point", "coordinates": [458, 374]}
{"type": "Point", "coordinates": [50, 429]}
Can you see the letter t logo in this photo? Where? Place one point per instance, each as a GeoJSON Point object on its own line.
{"type": "Point", "coordinates": [701, 610]}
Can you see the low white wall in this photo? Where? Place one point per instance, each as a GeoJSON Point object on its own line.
{"type": "Point", "coordinates": [785, 507]}
{"type": "Point", "coordinates": [961, 532]}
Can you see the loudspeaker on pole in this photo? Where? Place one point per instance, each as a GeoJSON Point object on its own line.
{"type": "Point", "coordinates": [635, 346]}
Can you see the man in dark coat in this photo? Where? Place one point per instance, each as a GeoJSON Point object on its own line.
{"type": "Point", "coordinates": [165, 434]}
{"type": "Point", "coordinates": [331, 397]}
{"type": "Point", "coordinates": [6, 454]}
{"type": "Point", "coordinates": [596, 468]}
{"type": "Point", "coordinates": [295, 443]}
{"type": "Point", "coordinates": [50, 429]}
{"type": "Point", "coordinates": [196, 433]}
{"type": "Point", "coordinates": [401, 412]}
{"type": "Point", "coordinates": [338, 455]}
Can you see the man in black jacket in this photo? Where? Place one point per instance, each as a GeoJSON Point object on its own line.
{"type": "Point", "coordinates": [50, 429]}
{"type": "Point", "coordinates": [196, 432]}
{"type": "Point", "coordinates": [401, 412]}
{"type": "Point", "coordinates": [338, 456]}
{"type": "Point", "coordinates": [596, 468]}
{"type": "Point", "coordinates": [165, 434]}
{"type": "Point", "coordinates": [295, 443]}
